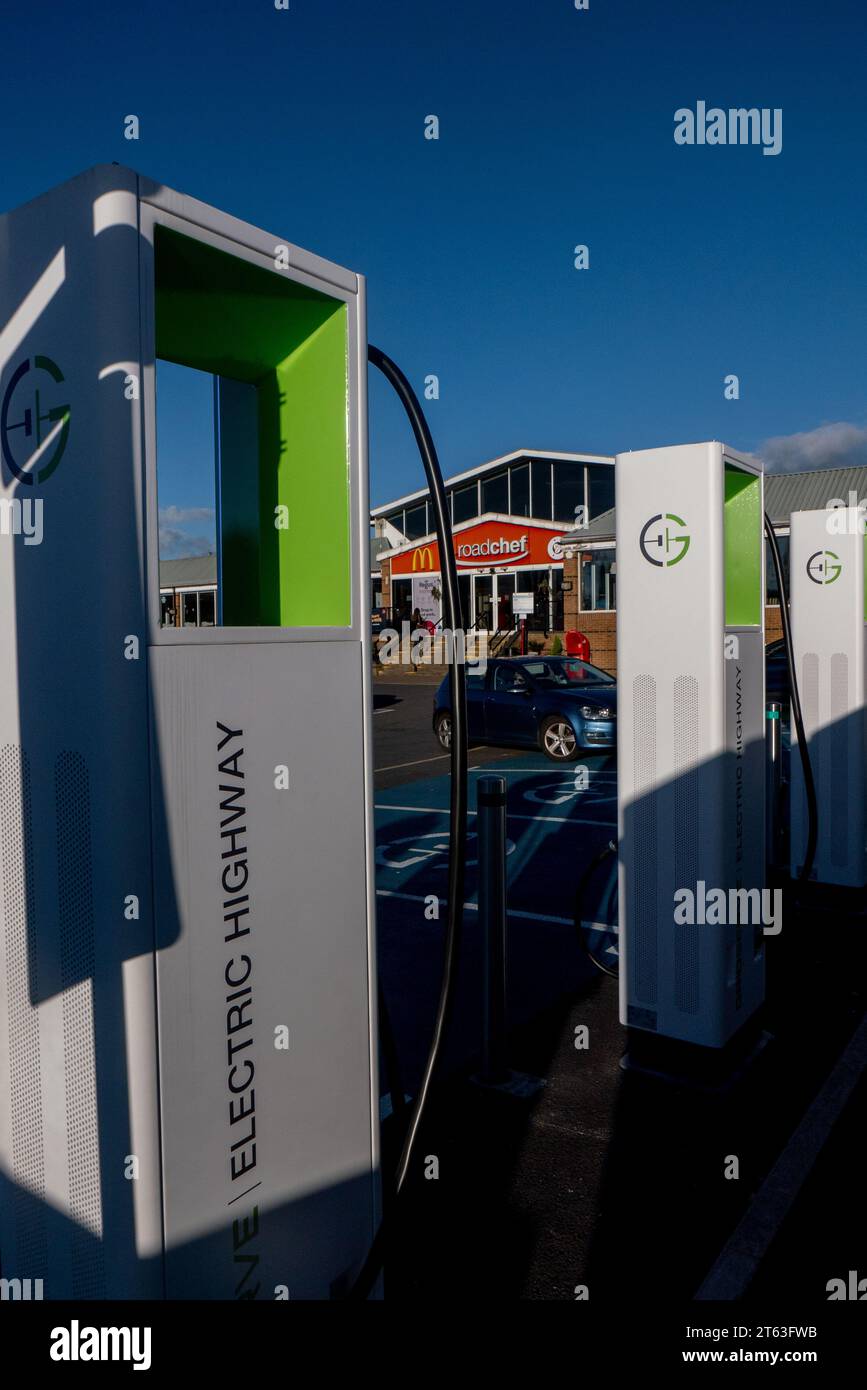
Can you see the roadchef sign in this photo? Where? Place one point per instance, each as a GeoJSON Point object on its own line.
{"type": "Point", "coordinates": [486, 545]}
{"type": "Point", "coordinates": [471, 553]}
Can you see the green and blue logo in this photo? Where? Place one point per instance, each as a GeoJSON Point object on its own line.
{"type": "Point", "coordinates": [664, 540]}
{"type": "Point", "coordinates": [823, 567]}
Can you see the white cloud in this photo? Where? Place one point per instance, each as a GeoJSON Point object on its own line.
{"type": "Point", "coordinates": [179, 545]}
{"type": "Point", "coordinates": [181, 516]}
{"type": "Point", "coordinates": [838, 445]}
{"type": "Point", "coordinates": [181, 532]}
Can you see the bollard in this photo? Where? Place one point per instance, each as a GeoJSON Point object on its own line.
{"type": "Point", "coordinates": [491, 803]}
{"type": "Point", "coordinates": [774, 769]}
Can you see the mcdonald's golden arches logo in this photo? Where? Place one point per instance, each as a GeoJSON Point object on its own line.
{"type": "Point", "coordinates": [422, 558]}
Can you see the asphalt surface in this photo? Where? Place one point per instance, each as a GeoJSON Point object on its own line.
{"type": "Point", "coordinates": [610, 1179]}
{"type": "Point", "coordinates": [406, 749]}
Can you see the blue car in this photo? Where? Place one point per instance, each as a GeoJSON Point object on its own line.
{"type": "Point", "coordinates": [556, 703]}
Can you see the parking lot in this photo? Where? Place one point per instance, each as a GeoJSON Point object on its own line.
{"type": "Point", "coordinates": [599, 1176]}
{"type": "Point", "coordinates": [553, 830]}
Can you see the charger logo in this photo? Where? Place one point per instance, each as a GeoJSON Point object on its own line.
{"type": "Point", "coordinates": [824, 567]}
{"type": "Point", "coordinates": [671, 542]}
{"type": "Point", "coordinates": [43, 447]}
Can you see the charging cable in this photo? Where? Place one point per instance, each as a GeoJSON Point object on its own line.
{"type": "Point", "coordinates": [809, 783]}
{"type": "Point", "coordinates": [457, 795]}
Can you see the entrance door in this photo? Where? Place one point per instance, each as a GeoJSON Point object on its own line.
{"type": "Point", "coordinates": [483, 601]}
{"type": "Point", "coordinates": [503, 610]}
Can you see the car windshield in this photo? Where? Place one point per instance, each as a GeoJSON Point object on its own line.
{"type": "Point", "coordinates": [559, 671]}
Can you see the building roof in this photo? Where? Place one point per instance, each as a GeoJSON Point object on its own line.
{"type": "Point", "coordinates": [784, 493]}
{"type": "Point", "coordinates": [486, 467]}
{"type": "Point", "coordinates": [188, 572]}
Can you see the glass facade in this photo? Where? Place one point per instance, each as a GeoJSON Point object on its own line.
{"type": "Point", "coordinates": [568, 491]}
{"type": "Point", "coordinates": [495, 492]}
{"type": "Point", "coordinates": [545, 489]}
{"type": "Point", "coordinates": [519, 504]}
{"type": "Point", "coordinates": [600, 487]}
{"type": "Point", "coordinates": [415, 523]}
{"type": "Point", "coordinates": [190, 608]}
{"type": "Point", "coordinates": [541, 472]}
{"type": "Point", "coordinates": [538, 583]}
{"type": "Point", "coordinates": [465, 503]}
{"type": "Point", "coordinates": [598, 580]}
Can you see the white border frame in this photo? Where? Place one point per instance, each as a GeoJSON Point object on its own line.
{"type": "Point", "coordinates": [257, 248]}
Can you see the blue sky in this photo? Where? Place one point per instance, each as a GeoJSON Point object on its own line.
{"type": "Point", "coordinates": [556, 129]}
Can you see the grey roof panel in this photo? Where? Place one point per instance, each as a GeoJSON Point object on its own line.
{"type": "Point", "coordinates": [189, 570]}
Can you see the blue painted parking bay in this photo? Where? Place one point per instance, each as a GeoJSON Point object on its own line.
{"type": "Point", "coordinates": [556, 823]}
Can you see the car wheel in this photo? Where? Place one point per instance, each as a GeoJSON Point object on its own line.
{"type": "Point", "coordinates": [443, 730]}
{"type": "Point", "coordinates": [558, 739]}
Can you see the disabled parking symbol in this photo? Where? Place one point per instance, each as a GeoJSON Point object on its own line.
{"type": "Point", "coordinates": [430, 848]}
{"type": "Point", "coordinates": [558, 793]}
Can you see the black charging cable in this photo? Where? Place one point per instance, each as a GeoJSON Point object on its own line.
{"type": "Point", "coordinates": [580, 930]}
{"type": "Point", "coordinates": [795, 701]}
{"type": "Point", "coordinates": [457, 793]}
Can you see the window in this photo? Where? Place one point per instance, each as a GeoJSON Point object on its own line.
{"type": "Point", "coordinates": [537, 583]}
{"type": "Point", "coordinates": [207, 608]}
{"type": "Point", "coordinates": [520, 490]}
{"type": "Point", "coordinates": [507, 678]}
{"type": "Point", "coordinates": [167, 610]}
{"type": "Point", "coordinates": [565, 671]}
{"type": "Point", "coordinates": [416, 522]}
{"type": "Point", "coordinates": [466, 503]}
{"type": "Point", "coordinates": [598, 580]}
{"type": "Point", "coordinates": [401, 599]}
{"type": "Point", "coordinates": [541, 470]}
{"type": "Point", "coordinates": [557, 614]}
{"type": "Point", "coordinates": [568, 490]}
{"type": "Point", "coordinates": [495, 492]}
{"type": "Point", "coordinates": [601, 488]}
{"type": "Point", "coordinates": [190, 610]}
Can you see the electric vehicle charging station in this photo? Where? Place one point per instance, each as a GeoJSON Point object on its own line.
{"type": "Point", "coordinates": [690, 744]}
{"type": "Point", "coordinates": [188, 1055]}
{"type": "Point", "coordinates": [826, 581]}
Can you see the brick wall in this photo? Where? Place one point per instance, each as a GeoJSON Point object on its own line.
{"type": "Point", "coordinates": [385, 569]}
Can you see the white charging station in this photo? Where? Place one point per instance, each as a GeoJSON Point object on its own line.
{"type": "Point", "coordinates": [690, 745]}
{"type": "Point", "coordinates": [829, 637]}
{"type": "Point", "coordinates": [188, 1057]}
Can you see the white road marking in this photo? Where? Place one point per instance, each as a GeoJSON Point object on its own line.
{"type": "Point", "coordinates": [745, 1249]}
{"type": "Point", "coordinates": [438, 757]}
{"type": "Point", "coordinates": [474, 907]}
{"type": "Point", "coordinates": [394, 766]}
{"type": "Point", "coordinates": [510, 815]}
{"type": "Point", "coordinates": [526, 771]}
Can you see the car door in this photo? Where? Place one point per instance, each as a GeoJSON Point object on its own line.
{"type": "Point", "coordinates": [475, 707]}
{"type": "Point", "coordinates": [510, 712]}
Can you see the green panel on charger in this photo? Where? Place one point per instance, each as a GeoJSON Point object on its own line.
{"type": "Point", "coordinates": [221, 314]}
